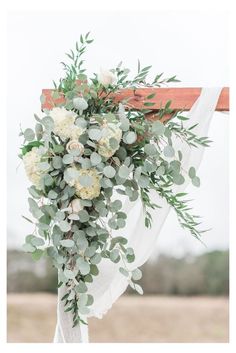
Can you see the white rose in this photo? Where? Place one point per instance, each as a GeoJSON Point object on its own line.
{"type": "Point", "coordinates": [76, 206]}
{"type": "Point", "coordinates": [75, 145]}
{"type": "Point", "coordinates": [107, 77]}
{"type": "Point", "coordinates": [64, 124]}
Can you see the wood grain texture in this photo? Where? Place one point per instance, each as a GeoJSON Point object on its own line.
{"type": "Point", "coordinates": [181, 98]}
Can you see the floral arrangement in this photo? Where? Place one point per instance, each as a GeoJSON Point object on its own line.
{"type": "Point", "coordinates": [84, 149]}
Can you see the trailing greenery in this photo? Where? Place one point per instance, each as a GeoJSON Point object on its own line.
{"type": "Point", "coordinates": [82, 150]}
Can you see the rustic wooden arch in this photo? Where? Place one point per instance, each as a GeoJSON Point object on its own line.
{"type": "Point", "coordinates": [181, 98]}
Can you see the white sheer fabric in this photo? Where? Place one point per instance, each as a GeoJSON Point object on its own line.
{"type": "Point", "coordinates": [110, 284]}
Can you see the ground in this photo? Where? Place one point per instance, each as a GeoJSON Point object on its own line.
{"type": "Point", "coordinates": [32, 318]}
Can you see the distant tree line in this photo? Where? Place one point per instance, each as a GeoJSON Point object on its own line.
{"type": "Point", "coordinates": [207, 274]}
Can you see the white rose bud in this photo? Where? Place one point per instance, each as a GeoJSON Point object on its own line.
{"type": "Point", "coordinates": [75, 145]}
{"type": "Point", "coordinates": [107, 77]}
{"type": "Point", "coordinates": [76, 206]}
{"type": "Point", "coordinates": [80, 104]}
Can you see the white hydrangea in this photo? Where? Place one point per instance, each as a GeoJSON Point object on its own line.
{"type": "Point", "coordinates": [84, 192]}
{"type": "Point", "coordinates": [32, 160]}
{"type": "Point", "coordinates": [109, 131]}
{"type": "Point", "coordinates": [64, 124]}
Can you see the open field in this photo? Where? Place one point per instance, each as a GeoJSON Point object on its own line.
{"type": "Point", "coordinates": [32, 318]}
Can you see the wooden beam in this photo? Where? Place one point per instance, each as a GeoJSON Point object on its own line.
{"type": "Point", "coordinates": [181, 98]}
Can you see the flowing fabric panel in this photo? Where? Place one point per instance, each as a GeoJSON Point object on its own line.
{"type": "Point", "coordinates": [110, 283]}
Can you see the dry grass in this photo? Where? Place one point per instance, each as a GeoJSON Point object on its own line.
{"type": "Point", "coordinates": [32, 318]}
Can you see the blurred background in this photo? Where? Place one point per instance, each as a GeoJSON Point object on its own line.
{"type": "Point", "coordinates": [185, 282]}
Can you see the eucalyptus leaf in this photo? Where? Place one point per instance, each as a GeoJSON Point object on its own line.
{"type": "Point", "coordinates": [136, 274]}
{"type": "Point", "coordinates": [130, 137]}
{"type": "Point", "coordinates": [64, 226]}
{"type": "Point", "coordinates": [158, 128]}
{"type": "Point", "coordinates": [29, 134]}
{"type": "Point", "coordinates": [109, 171]}
{"type": "Point", "coordinates": [95, 158]}
{"type": "Point", "coordinates": [67, 243]}
{"type": "Point", "coordinates": [169, 151]}
{"type": "Point", "coordinates": [192, 172]}
{"type": "Point", "coordinates": [124, 172]}
{"type": "Point", "coordinates": [83, 216]}
{"type": "Point", "coordinates": [196, 181]}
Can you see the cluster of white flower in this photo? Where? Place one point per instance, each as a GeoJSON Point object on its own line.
{"type": "Point", "coordinates": [32, 160]}
{"type": "Point", "coordinates": [64, 124]}
{"type": "Point", "coordinates": [86, 192]}
{"type": "Point", "coordinates": [109, 131]}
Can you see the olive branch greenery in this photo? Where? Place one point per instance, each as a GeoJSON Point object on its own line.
{"type": "Point", "coordinates": [141, 158]}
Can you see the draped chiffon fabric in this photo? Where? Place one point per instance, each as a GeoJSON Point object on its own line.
{"type": "Point", "coordinates": [109, 285]}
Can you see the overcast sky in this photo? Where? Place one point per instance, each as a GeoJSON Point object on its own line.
{"type": "Point", "coordinates": [191, 45]}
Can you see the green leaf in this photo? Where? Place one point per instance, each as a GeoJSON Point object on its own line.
{"type": "Point", "coordinates": [81, 241]}
{"type": "Point", "coordinates": [94, 270]}
{"type": "Point", "coordinates": [113, 143]}
{"type": "Point", "coordinates": [52, 195]}
{"type": "Point", "coordinates": [138, 289]}
{"type": "Point", "coordinates": [39, 131]}
{"type": "Point", "coordinates": [84, 267]}
{"type": "Point", "coordinates": [114, 255]}
{"type": "Point", "coordinates": [124, 172]}
{"type": "Point", "coordinates": [86, 180]}
{"type": "Point", "coordinates": [109, 171]}
{"type": "Point", "coordinates": [95, 259]}
{"type": "Point", "coordinates": [143, 181]}
{"type": "Point", "coordinates": [169, 151]}
{"type": "Point", "coordinates": [48, 180]}
{"type": "Point", "coordinates": [28, 247]}
{"type": "Point", "coordinates": [81, 287]}
{"type": "Point", "coordinates": [120, 223]}
{"type": "Point", "coordinates": [34, 208]}
{"type": "Point", "coordinates": [90, 300]}
{"type": "Point", "coordinates": [29, 134]}
{"type": "Point", "coordinates": [116, 206]}
{"type": "Point", "coordinates": [37, 254]}
{"type": "Point", "coordinates": [83, 216]}
{"type": "Point", "coordinates": [148, 104]}
{"type": "Point", "coordinates": [123, 271]}
{"type": "Point", "coordinates": [64, 226]}
{"type": "Point", "coordinates": [158, 128]}
{"type": "Point", "coordinates": [130, 137]}
{"type": "Point", "coordinates": [136, 274]}
{"type": "Point", "coordinates": [95, 158]}
{"type": "Point", "coordinates": [150, 96]}
{"type": "Point", "coordinates": [196, 181]}
{"type": "Point", "coordinates": [125, 124]}
{"type": "Point", "coordinates": [67, 243]}
{"type": "Point", "coordinates": [44, 166]}
{"type": "Point", "coordinates": [48, 122]}
{"type": "Point", "coordinates": [95, 134]}
{"type": "Point", "coordinates": [160, 170]}
{"type": "Point", "coordinates": [58, 148]}
{"type": "Point", "coordinates": [68, 159]}
{"type": "Point", "coordinates": [192, 172]}
{"type": "Point", "coordinates": [57, 162]}
{"type": "Point", "coordinates": [36, 241]}
{"type": "Point", "coordinates": [150, 149]}
{"type": "Point", "coordinates": [90, 251]}
{"type": "Point", "coordinates": [69, 274]}
{"type": "Point", "coordinates": [178, 179]}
